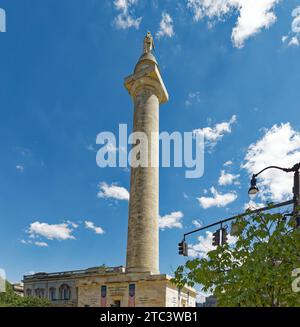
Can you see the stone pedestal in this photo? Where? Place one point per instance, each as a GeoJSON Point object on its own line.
{"type": "Point", "coordinates": [133, 290]}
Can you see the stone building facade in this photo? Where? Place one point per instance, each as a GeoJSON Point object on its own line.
{"type": "Point", "coordinates": [59, 288]}
{"type": "Point", "coordinates": [108, 287]}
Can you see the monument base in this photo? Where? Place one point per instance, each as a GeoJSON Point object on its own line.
{"type": "Point", "coordinates": [133, 290]}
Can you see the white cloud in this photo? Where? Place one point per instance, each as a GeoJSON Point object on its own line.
{"type": "Point", "coordinates": [41, 244]}
{"type": "Point", "coordinates": [92, 226]}
{"type": "Point", "coordinates": [251, 205]}
{"type": "Point", "coordinates": [204, 245]}
{"type": "Point", "coordinates": [197, 223]}
{"type": "Point", "coordinates": [20, 168]}
{"type": "Point", "coordinates": [25, 241]}
{"type": "Point", "coordinates": [37, 243]}
{"type": "Point", "coordinates": [125, 19]}
{"type": "Point", "coordinates": [253, 16]}
{"type": "Point", "coordinates": [212, 135]}
{"type": "Point", "coordinates": [280, 146]}
{"type": "Point", "coordinates": [172, 220]}
{"type": "Point", "coordinates": [294, 41]}
{"type": "Point", "coordinates": [166, 26]}
{"type": "Point", "coordinates": [51, 232]}
{"type": "Point", "coordinates": [112, 191]}
{"type": "Point", "coordinates": [227, 178]}
{"type": "Point", "coordinates": [293, 38]}
{"type": "Point", "coordinates": [192, 98]}
{"type": "Point", "coordinates": [228, 163]}
{"type": "Point", "coordinates": [74, 225]}
{"type": "Point", "coordinates": [217, 199]}
{"type": "Point", "coordinates": [62, 231]}
{"type": "Point", "coordinates": [209, 8]}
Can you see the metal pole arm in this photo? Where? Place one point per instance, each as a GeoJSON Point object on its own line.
{"type": "Point", "coordinates": [287, 170]}
{"type": "Point", "coordinates": [247, 213]}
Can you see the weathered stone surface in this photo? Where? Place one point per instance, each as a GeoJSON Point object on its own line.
{"type": "Point", "coordinates": [148, 91]}
{"type": "Point", "coordinates": [151, 291]}
{"type": "Point", "coordinates": [85, 288]}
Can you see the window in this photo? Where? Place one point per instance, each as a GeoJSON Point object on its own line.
{"type": "Point", "coordinates": [40, 292]}
{"type": "Point", "coordinates": [65, 292]}
{"type": "Point", "coordinates": [28, 292]}
{"type": "Point", "coordinates": [52, 293]}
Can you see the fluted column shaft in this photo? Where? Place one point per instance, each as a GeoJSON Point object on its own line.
{"type": "Point", "coordinates": [142, 245]}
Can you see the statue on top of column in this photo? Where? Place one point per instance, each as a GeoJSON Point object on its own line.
{"type": "Point", "coordinates": [148, 43]}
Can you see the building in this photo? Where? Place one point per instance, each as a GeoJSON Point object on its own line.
{"type": "Point", "coordinates": [61, 287]}
{"type": "Point", "coordinates": [210, 301]}
{"type": "Point", "coordinates": [140, 282]}
{"type": "Point", "coordinates": [18, 289]}
{"type": "Point", "coordinates": [106, 287]}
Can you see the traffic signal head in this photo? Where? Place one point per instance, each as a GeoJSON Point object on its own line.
{"type": "Point", "coordinates": [224, 236]}
{"type": "Point", "coordinates": [183, 248]}
{"type": "Point", "coordinates": [216, 238]}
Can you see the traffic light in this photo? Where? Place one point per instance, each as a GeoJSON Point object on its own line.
{"type": "Point", "coordinates": [216, 238]}
{"type": "Point", "coordinates": [183, 248]}
{"type": "Point", "coordinates": [224, 236]}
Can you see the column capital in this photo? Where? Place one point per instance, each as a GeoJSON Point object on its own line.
{"type": "Point", "coordinates": [147, 77]}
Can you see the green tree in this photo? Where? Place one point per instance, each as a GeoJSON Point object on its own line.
{"type": "Point", "coordinates": [256, 270]}
{"type": "Point", "coordinates": [10, 299]}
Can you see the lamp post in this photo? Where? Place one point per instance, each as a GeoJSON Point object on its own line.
{"type": "Point", "coordinates": [296, 188]}
{"type": "Point", "coordinates": [254, 190]}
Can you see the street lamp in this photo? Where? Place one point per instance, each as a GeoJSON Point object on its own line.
{"type": "Point", "coordinates": [253, 188]}
{"type": "Point", "coordinates": [296, 188]}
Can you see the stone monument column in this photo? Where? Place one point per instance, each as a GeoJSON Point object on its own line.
{"type": "Point", "coordinates": [147, 89]}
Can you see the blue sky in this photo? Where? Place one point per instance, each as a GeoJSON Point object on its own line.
{"type": "Point", "coordinates": [232, 72]}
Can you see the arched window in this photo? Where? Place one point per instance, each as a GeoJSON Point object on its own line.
{"type": "Point", "coordinates": [52, 293]}
{"type": "Point", "coordinates": [40, 292]}
{"type": "Point", "coordinates": [65, 292]}
{"type": "Point", "coordinates": [29, 292]}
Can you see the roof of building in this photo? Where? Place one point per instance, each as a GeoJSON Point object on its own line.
{"type": "Point", "coordinates": [63, 274]}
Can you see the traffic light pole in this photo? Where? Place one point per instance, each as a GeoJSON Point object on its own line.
{"type": "Point", "coordinates": [253, 190]}
{"type": "Point", "coordinates": [296, 192]}
{"type": "Point", "coordinates": [278, 205]}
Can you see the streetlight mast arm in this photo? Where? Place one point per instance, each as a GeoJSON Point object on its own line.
{"type": "Point", "coordinates": [287, 170]}
{"type": "Point", "coordinates": [296, 188]}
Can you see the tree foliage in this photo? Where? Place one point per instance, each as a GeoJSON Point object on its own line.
{"type": "Point", "coordinates": [256, 270]}
{"type": "Point", "coordinates": [10, 299]}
